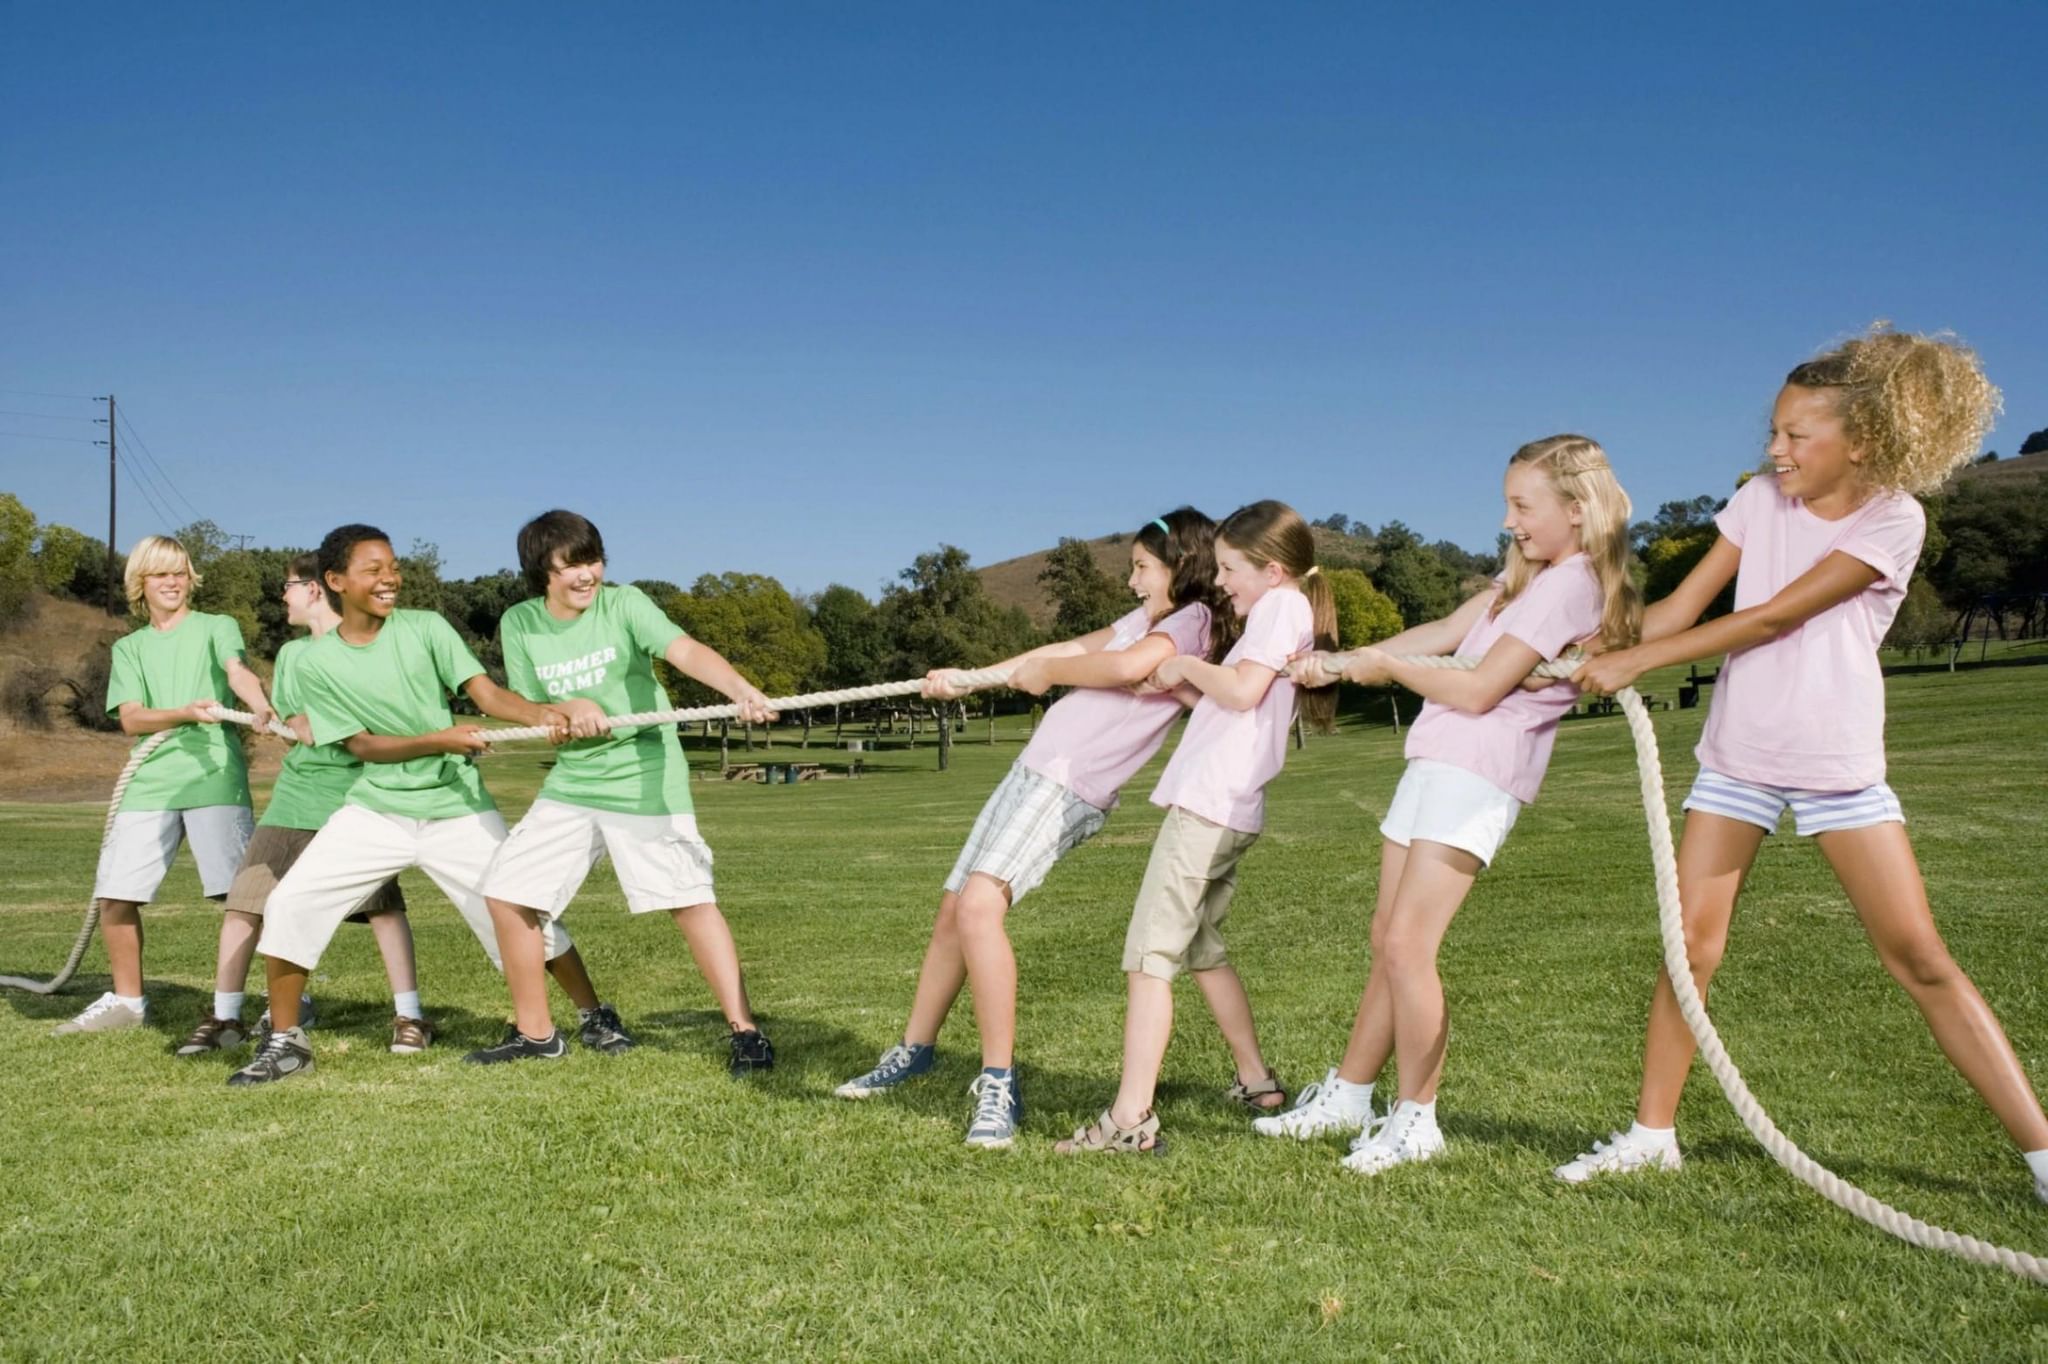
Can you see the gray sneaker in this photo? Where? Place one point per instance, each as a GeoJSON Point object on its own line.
{"type": "Point", "coordinates": [308, 1016]}
{"type": "Point", "coordinates": [997, 1110]}
{"type": "Point", "coordinates": [901, 1062]}
{"type": "Point", "coordinates": [105, 1014]}
{"type": "Point", "coordinates": [284, 1055]}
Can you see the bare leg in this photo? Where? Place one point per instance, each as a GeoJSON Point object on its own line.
{"type": "Point", "coordinates": [568, 972]}
{"type": "Point", "coordinates": [991, 966]}
{"type": "Point", "coordinates": [523, 949]}
{"type": "Point", "coordinates": [287, 982]}
{"type": "Point", "coordinates": [1232, 1009]}
{"type": "Point", "coordinates": [718, 960]}
{"type": "Point", "coordinates": [1372, 1031]}
{"type": "Point", "coordinates": [1434, 882]}
{"type": "Point", "coordinates": [1714, 855]}
{"type": "Point", "coordinates": [394, 943]}
{"type": "Point", "coordinates": [940, 979]}
{"type": "Point", "coordinates": [121, 931]}
{"type": "Point", "coordinates": [1876, 867]}
{"type": "Point", "coordinates": [1148, 1026]}
{"type": "Point", "coordinates": [238, 934]}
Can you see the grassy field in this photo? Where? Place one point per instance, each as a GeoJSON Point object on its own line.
{"type": "Point", "coordinates": [648, 1207]}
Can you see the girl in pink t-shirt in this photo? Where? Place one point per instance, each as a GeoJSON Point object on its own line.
{"type": "Point", "coordinates": [1056, 797]}
{"type": "Point", "coordinates": [1214, 793]}
{"type": "Point", "coordinates": [1476, 756]}
{"type": "Point", "coordinates": [1821, 547]}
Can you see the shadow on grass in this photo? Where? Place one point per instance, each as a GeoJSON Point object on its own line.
{"type": "Point", "coordinates": [1735, 1151]}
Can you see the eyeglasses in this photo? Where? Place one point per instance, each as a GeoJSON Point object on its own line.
{"type": "Point", "coordinates": [290, 583]}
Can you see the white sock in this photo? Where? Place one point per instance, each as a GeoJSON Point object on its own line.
{"type": "Point", "coordinates": [407, 1003]}
{"type": "Point", "coordinates": [132, 1001]}
{"type": "Point", "coordinates": [1652, 1136]}
{"type": "Point", "coordinates": [227, 1003]}
{"type": "Point", "coordinates": [2037, 1161]}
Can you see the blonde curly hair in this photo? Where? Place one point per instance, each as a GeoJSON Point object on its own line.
{"type": "Point", "coordinates": [1918, 407]}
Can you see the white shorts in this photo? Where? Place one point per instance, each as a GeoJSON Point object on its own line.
{"type": "Point", "coordinates": [357, 852]}
{"type": "Point", "coordinates": [661, 860]}
{"type": "Point", "coordinates": [1439, 803]}
{"type": "Point", "coordinates": [134, 861]}
{"type": "Point", "coordinates": [1028, 824]}
{"type": "Point", "coordinates": [1813, 812]}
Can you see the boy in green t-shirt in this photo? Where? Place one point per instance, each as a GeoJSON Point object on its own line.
{"type": "Point", "coordinates": [590, 648]}
{"type": "Point", "coordinates": [309, 789]}
{"type": "Point", "coordinates": [379, 685]}
{"type": "Point", "coordinates": [170, 675]}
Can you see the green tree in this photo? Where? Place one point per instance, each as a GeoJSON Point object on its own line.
{"type": "Point", "coordinates": [1923, 624]}
{"type": "Point", "coordinates": [762, 630]}
{"type": "Point", "coordinates": [852, 630]}
{"type": "Point", "coordinates": [420, 589]}
{"type": "Point", "coordinates": [1365, 615]}
{"type": "Point", "coordinates": [2035, 443]}
{"type": "Point", "coordinates": [1423, 587]}
{"type": "Point", "coordinates": [60, 551]}
{"type": "Point", "coordinates": [940, 616]}
{"type": "Point", "coordinates": [231, 579]}
{"type": "Point", "coordinates": [17, 558]}
{"type": "Point", "coordinates": [1675, 519]}
{"type": "Point", "coordinates": [1669, 558]}
{"type": "Point", "coordinates": [1085, 598]}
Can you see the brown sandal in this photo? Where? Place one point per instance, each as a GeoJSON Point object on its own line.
{"type": "Point", "coordinates": [1255, 1094]}
{"type": "Point", "coordinates": [1104, 1137]}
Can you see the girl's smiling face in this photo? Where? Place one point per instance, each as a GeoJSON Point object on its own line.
{"type": "Point", "coordinates": [573, 587]}
{"type": "Point", "coordinates": [1809, 452]}
{"type": "Point", "coordinates": [1241, 580]}
{"type": "Point", "coordinates": [1544, 525]}
{"type": "Point", "coordinates": [1151, 580]}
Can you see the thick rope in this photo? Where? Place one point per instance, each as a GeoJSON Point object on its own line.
{"type": "Point", "coordinates": [1671, 923]}
{"type": "Point", "coordinates": [1670, 920]}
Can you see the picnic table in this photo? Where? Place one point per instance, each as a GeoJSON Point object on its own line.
{"type": "Point", "coordinates": [768, 773]}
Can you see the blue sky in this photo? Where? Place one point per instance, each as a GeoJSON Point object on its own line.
{"type": "Point", "coordinates": [809, 289]}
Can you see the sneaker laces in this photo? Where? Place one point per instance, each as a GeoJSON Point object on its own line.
{"type": "Point", "coordinates": [894, 1062]}
{"type": "Point", "coordinates": [105, 1004]}
{"type": "Point", "coordinates": [1394, 1132]}
{"type": "Point", "coordinates": [992, 1098]}
{"type": "Point", "coordinates": [1618, 1152]}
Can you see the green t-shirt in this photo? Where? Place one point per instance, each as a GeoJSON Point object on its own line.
{"type": "Point", "coordinates": [316, 777]}
{"type": "Point", "coordinates": [605, 655]}
{"type": "Point", "coordinates": [396, 686]}
{"type": "Point", "coordinates": [165, 669]}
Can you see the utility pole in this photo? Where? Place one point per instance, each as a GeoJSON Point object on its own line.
{"type": "Point", "coordinates": [115, 596]}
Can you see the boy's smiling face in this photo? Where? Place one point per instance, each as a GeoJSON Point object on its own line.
{"type": "Point", "coordinates": [370, 582]}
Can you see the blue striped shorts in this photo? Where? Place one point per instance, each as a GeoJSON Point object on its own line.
{"type": "Point", "coordinates": [1813, 812]}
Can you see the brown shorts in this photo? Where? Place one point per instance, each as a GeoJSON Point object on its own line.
{"type": "Point", "coordinates": [270, 854]}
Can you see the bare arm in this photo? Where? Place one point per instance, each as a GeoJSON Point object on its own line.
{"type": "Point", "coordinates": [383, 748]}
{"type": "Point", "coordinates": [1440, 636]}
{"type": "Point", "coordinates": [1682, 609]}
{"type": "Point", "coordinates": [702, 663]}
{"type": "Point", "coordinates": [248, 687]}
{"type": "Point", "coordinates": [1473, 691]}
{"type": "Point", "coordinates": [1833, 580]}
{"type": "Point", "coordinates": [1095, 668]}
{"type": "Point", "coordinates": [1240, 686]}
{"type": "Point", "coordinates": [137, 718]}
{"type": "Point", "coordinates": [502, 704]}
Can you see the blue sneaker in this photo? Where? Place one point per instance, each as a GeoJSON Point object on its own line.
{"type": "Point", "coordinates": [997, 1110]}
{"type": "Point", "coordinates": [901, 1062]}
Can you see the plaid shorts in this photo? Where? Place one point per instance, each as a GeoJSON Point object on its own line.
{"type": "Point", "coordinates": [1813, 812]}
{"type": "Point", "coordinates": [1029, 823]}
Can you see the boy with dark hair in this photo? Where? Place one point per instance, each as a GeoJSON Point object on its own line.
{"type": "Point", "coordinates": [379, 684]}
{"type": "Point", "coordinates": [588, 648]}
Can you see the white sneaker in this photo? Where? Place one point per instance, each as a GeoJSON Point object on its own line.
{"type": "Point", "coordinates": [2041, 1189]}
{"type": "Point", "coordinates": [1318, 1112]}
{"type": "Point", "coordinates": [105, 1014]}
{"type": "Point", "coordinates": [308, 1016]}
{"type": "Point", "coordinates": [1408, 1135]}
{"type": "Point", "coordinates": [1623, 1153]}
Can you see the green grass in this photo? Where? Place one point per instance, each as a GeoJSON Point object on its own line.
{"type": "Point", "coordinates": [647, 1207]}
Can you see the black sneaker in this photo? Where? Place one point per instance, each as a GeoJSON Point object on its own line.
{"type": "Point", "coordinates": [517, 1046]}
{"type": "Point", "coordinates": [284, 1055]}
{"type": "Point", "coordinates": [603, 1032]}
{"type": "Point", "coordinates": [750, 1052]}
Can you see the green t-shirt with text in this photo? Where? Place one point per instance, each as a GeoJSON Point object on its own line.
{"type": "Point", "coordinates": [605, 655]}
{"type": "Point", "coordinates": [396, 686]}
{"type": "Point", "coordinates": [315, 780]}
{"type": "Point", "coordinates": [163, 670]}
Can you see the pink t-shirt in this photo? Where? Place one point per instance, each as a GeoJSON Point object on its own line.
{"type": "Point", "coordinates": [1226, 757]}
{"type": "Point", "coordinates": [1094, 738]}
{"type": "Point", "coordinates": [1510, 744]}
{"type": "Point", "coordinates": [1805, 711]}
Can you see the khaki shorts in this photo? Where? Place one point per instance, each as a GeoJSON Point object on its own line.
{"type": "Point", "coordinates": [1185, 897]}
{"type": "Point", "coordinates": [135, 860]}
{"type": "Point", "coordinates": [270, 854]}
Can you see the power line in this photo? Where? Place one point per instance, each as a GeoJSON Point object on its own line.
{"type": "Point", "coordinates": [161, 472]}
{"type": "Point", "coordinates": [32, 393]}
{"type": "Point", "coordinates": [69, 440]}
{"type": "Point", "coordinates": [44, 416]}
{"type": "Point", "coordinates": [170, 522]}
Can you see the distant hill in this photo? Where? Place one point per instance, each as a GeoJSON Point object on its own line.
{"type": "Point", "coordinates": [2005, 470]}
{"type": "Point", "coordinates": [1014, 582]}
